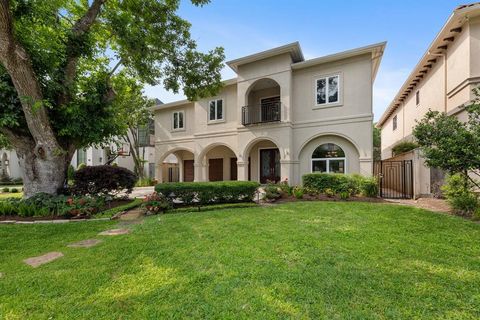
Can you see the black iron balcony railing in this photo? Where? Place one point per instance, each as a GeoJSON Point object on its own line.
{"type": "Point", "coordinates": [262, 113]}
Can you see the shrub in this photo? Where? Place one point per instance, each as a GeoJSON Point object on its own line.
{"type": "Point", "coordinates": [146, 182]}
{"type": "Point", "coordinates": [337, 183]}
{"type": "Point", "coordinates": [14, 190]}
{"type": "Point", "coordinates": [7, 208]}
{"type": "Point", "coordinates": [459, 194]}
{"type": "Point", "coordinates": [81, 166]}
{"type": "Point", "coordinates": [156, 203]}
{"type": "Point", "coordinates": [285, 188]}
{"type": "Point", "coordinates": [331, 184]}
{"type": "Point", "coordinates": [329, 193]}
{"type": "Point", "coordinates": [70, 172]}
{"type": "Point", "coordinates": [344, 195]}
{"type": "Point", "coordinates": [298, 192]}
{"type": "Point", "coordinates": [369, 187]}
{"type": "Point", "coordinates": [201, 193]}
{"type": "Point", "coordinates": [403, 147]}
{"type": "Point", "coordinates": [17, 181]}
{"type": "Point", "coordinates": [103, 180]}
{"type": "Point", "coordinates": [6, 190]}
{"type": "Point", "coordinates": [272, 192]}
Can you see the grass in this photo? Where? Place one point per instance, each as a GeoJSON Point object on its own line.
{"type": "Point", "coordinates": [308, 260]}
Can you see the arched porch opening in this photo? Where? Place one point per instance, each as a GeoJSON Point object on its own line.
{"type": "Point", "coordinates": [177, 166]}
{"type": "Point", "coordinates": [220, 161]}
{"type": "Point", "coordinates": [263, 156]}
{"type": "Point", "coordinates": [263, 102]}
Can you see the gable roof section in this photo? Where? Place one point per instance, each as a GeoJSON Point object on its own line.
{"type": "Point", "coordinates": [439, 45]}
{"type": "Point", "coordinates": [292, 48]}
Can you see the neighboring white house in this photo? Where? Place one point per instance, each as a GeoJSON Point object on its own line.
{"type": "Point", "coordinates": [9, 166]}
{"type": "Point", "coordinates": [442, 80]}
{"type": "Point", "coordinates": [281, 117]}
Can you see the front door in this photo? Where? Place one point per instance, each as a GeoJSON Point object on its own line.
{"type": "Point", "coordinates": [188, 171]}
{"type": "Point", "coordinates": [233, 169]}
{"type": "Point", "coordinates": [215, 169]}
{"type": "Point", "coordinates": [269, 165]}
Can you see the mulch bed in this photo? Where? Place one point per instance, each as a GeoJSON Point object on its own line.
{"type": "Point", "coordinates": [110, 205]}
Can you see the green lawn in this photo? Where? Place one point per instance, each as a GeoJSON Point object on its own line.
{"type": "Point", "coordinates": [297, 260]}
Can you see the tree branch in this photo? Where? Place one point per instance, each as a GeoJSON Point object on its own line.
{"type": "Point", "coordinates": [81, 27]}
{"type": "Point", "coordinates": [18, 64]}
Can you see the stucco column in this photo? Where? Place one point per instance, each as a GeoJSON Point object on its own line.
{"type": "Point", "coordinates": [159, 173]}
{"type": "Point", "coordinates": [200, 172]}
{"type": "Point", "coordinates": [242, 170]}
{"type": "Point", "coordinates": [180, 169]}
{"type": "Point", "coordinates": [366, 167]}
{"type": "Point", "coordinates": [286, 171]}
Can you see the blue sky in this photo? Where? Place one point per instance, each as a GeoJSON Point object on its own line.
{"type": "Point", "coordinates": [322, 27]}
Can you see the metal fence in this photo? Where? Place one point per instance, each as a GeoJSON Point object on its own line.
{"type": "Point", "coordinates": [395, 178]}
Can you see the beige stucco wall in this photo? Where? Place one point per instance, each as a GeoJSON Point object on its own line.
{"type": "Point", "coordinates": [303, 126]}
{"type": "Point", "coordinates": [462, 75]}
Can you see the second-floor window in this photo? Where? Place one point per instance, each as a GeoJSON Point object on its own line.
{"type": "Point", "coordinates": [417, 97]}
{"type": "Point", "coordinates": [215, 110]}
{"type": "Point", "coordinates": [178, 120]}
{"type": "Point", "coordinates": [394, 122]}
{"type": "Point", "coordinates": [328, 90]}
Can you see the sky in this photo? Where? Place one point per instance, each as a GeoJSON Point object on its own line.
{"type": "Point", "coordinates": [244, 27]}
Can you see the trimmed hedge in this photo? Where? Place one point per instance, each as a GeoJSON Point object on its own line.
{"type": "Point", "coordinates": [103, 180]}
{"type": "Point", "coordinates": [202, 193]}
{"type": "Point", "coordinates": [340, 184]}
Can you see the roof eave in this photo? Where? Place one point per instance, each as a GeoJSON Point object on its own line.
{"type": "Point", "coordinates": [293, 48]}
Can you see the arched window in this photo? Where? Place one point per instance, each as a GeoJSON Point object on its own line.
{"type": "Point", "coordinates": [328, 158]}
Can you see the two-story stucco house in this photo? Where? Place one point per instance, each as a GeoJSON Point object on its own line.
{"type": "Point", "coordinates": [281, 117]}
{"type": "Point", "coordinates": [442, 80]}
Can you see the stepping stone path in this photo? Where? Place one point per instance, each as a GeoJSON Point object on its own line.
{"type": "Point", "coordinates": [134, 214]}
{"type": "Point", "coordinates": [46, 258]}
{"type": "Point", "coordinates": [114, 232]}
{"type": "Point", "coordinates": [85, 243]}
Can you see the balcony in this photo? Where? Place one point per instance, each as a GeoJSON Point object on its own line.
{"type": "Point", "coordinates": [262, 113]}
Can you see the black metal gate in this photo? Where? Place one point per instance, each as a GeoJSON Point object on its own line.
{"type": "Point", "coordinates": [395, 178]}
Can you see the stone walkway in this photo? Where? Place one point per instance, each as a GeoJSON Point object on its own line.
{"type": "Point", "coordinates": [130, 217]}
{"type": "Point", "coordinates": [85, 243]}
{"type": "Point", "coordinates": [46, 258]}
{"type": "Point", "coordinates": [432, 204]}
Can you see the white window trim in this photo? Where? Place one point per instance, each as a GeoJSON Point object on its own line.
{"type": "Point", "coordinates": [223, 111]}
{"type": "Point", "coordinates": [340, 90]}
{"type": "Point", "coordinates": [328, 164]}
{"type": "Point", "coordinates": [173, 119]}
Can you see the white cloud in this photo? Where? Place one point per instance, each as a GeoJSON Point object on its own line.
{"type": "Point", "coordinates": [386, 86]}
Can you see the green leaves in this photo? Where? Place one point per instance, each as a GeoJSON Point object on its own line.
{"type": "Point", "coordinates": [151, 43]}
{"type": "Point", "coordinates": [448, 143]}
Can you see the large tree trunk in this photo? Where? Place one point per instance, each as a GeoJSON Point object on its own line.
{"type": "Point", "coordinates": [45, 174]}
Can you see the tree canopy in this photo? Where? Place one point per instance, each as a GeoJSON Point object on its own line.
{"type": "Point", "coordinates": [59, 64]}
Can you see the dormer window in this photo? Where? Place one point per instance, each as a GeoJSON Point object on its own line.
{"type": "Point", "coordinates": [327, 90]}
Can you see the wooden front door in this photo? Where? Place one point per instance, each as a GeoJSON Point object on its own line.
{"type": "Point", "coordinates": [215, 169]}
{"type": "Point", "coordinates": [188, 171]}
{"type": "Point", "coordinates": [269, 165]}
{"type": "Point", "coordinates": [233, 169]}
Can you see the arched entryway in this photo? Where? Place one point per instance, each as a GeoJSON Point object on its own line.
{"type": "Point", "coordinates": [264, 157]}
{"type": "Point", "coordinates": [329, 153]}
{"type": "Point", "coordinates": [263, 102]}
{"type": "Point", "coordinates": [220, 161]}
{"type": "Point", "coordinates": [177, 166]}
